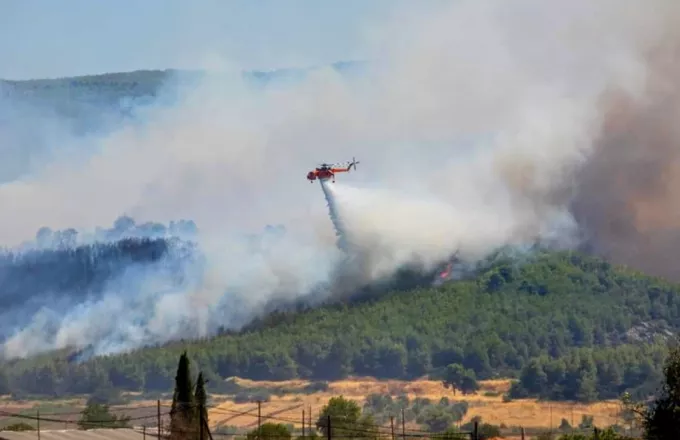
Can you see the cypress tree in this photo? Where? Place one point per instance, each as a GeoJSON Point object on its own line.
{"type": "Point", "coordinates": [200, 397]}
{"type": "Point", "coordinates": [183, 405]}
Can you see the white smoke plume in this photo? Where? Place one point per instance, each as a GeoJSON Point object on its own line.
{"type": "Point", "coordinates": [341, 230]}
{"type": "Point", "coordinates": [471, 122]}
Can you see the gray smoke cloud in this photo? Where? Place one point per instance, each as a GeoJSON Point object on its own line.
{"type": "Point", "coordinates": [479, 124]}
{"type": "Point", "coordinates": [626, 192]}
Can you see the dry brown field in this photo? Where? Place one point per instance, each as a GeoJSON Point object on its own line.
{"type": "Point", "coordinates": [487, 403]}
{"type": "Point", "coordinates": [524, 412]}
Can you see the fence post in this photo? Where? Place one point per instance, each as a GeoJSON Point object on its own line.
{"type": "Point", "coordinates": [38, 424]}
{"type": "Point", "coordinates": [476, 436]}
{"type": "Point", "coordinates": [522, 432]}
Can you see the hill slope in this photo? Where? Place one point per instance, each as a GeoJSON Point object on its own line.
{"type": "Point", "coordinates": [47, 284]}
{"type": "Point", "coordinates": [570, 326]}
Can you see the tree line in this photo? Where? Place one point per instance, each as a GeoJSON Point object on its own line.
{"type": "Point", "coordinates": [140, 82]}
{"type": "Point", "coordinates": [657, 418]}
{"type": "Point", "coordinates": [80, 270]}
{"type": "Point", "coordinates": [72, 264]}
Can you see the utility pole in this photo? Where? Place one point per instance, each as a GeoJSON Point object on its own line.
{"type": "Point", "coordinates": [207, 429]}
{"type": "Point", "coordinates": [329, 427]}
{"type": "Point", "coordinates": [158, 410]}
{"type": "Point", "coordinates": [392, 426]}
{"type": "Point", "coordinates": [403, 425]}
{"type": "Point", "coordinates": [200, 418]}
{"type": "Point", "coordinates": [259, 419]}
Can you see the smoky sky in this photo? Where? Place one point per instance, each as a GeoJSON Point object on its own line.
{"type": "Point", "coordinates": [626, 193]}
{"type": "Point", "coordinates": [478, 124]}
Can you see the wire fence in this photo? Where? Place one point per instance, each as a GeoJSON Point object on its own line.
{"type": "Point", "coordinates": [154, 421]}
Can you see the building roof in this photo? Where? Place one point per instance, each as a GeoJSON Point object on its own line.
{"type": "Point", "coordinates": [77, 434]}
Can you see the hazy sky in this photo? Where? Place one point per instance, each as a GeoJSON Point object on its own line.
{"type": "Point", "coordinates": [48, 38]}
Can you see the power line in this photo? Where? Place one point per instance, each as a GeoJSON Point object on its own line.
{"type": "Point", "coordinates": [50, 419]}
{"type": "Point", "coordinates": [74, 413]}
{"type": "Point", "coordinates": [356, 426]}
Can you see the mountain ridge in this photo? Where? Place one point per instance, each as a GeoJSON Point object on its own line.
{"type": "Point", "coordinates": [160, 74]}
{"type": "Point", "coordinates": [557, 323]}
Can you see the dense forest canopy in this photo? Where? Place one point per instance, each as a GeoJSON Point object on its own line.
{"type": "Point", "coordinates": [568, 326]}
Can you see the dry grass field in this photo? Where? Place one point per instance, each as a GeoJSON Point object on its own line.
{"type": "Point", "coordinates": [488, 404]}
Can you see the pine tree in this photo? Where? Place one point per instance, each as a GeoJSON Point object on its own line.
{"type": "Point", "coordinates": [662, 420]}
{"type": "Point", "coordinates": [183, 405]}
{"type": "Point", "coordinates": [200, 397]}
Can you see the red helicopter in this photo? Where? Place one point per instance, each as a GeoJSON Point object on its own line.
{"type": "Point", "coordinates": [327, 171]}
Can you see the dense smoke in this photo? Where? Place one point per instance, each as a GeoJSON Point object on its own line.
{"type": "Point", "coordinates": [478, 124]}
{"type": "Point", "coordinates": [626, 192]}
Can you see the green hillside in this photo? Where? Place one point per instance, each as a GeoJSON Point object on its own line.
{"type": "Point", "coordinates": [570, 326]}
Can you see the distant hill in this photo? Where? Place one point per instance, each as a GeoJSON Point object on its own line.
{"type": "Point", "coordinates": [137, 83]}
{"type": "Point", "coordinates": [568, 326]}
{"type": "Point", "coordinates": [92, 101]}
{"type": "Point", "coordinates": [42, 115]}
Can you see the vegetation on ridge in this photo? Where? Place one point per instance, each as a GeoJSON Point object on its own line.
{"type": "Point", "coordinates": [568, 326]}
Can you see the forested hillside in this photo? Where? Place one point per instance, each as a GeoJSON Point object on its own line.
{"type": "Point", "coordinates": [46, 282]}
{"type": "Point", "coordinates": [569, 326]}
